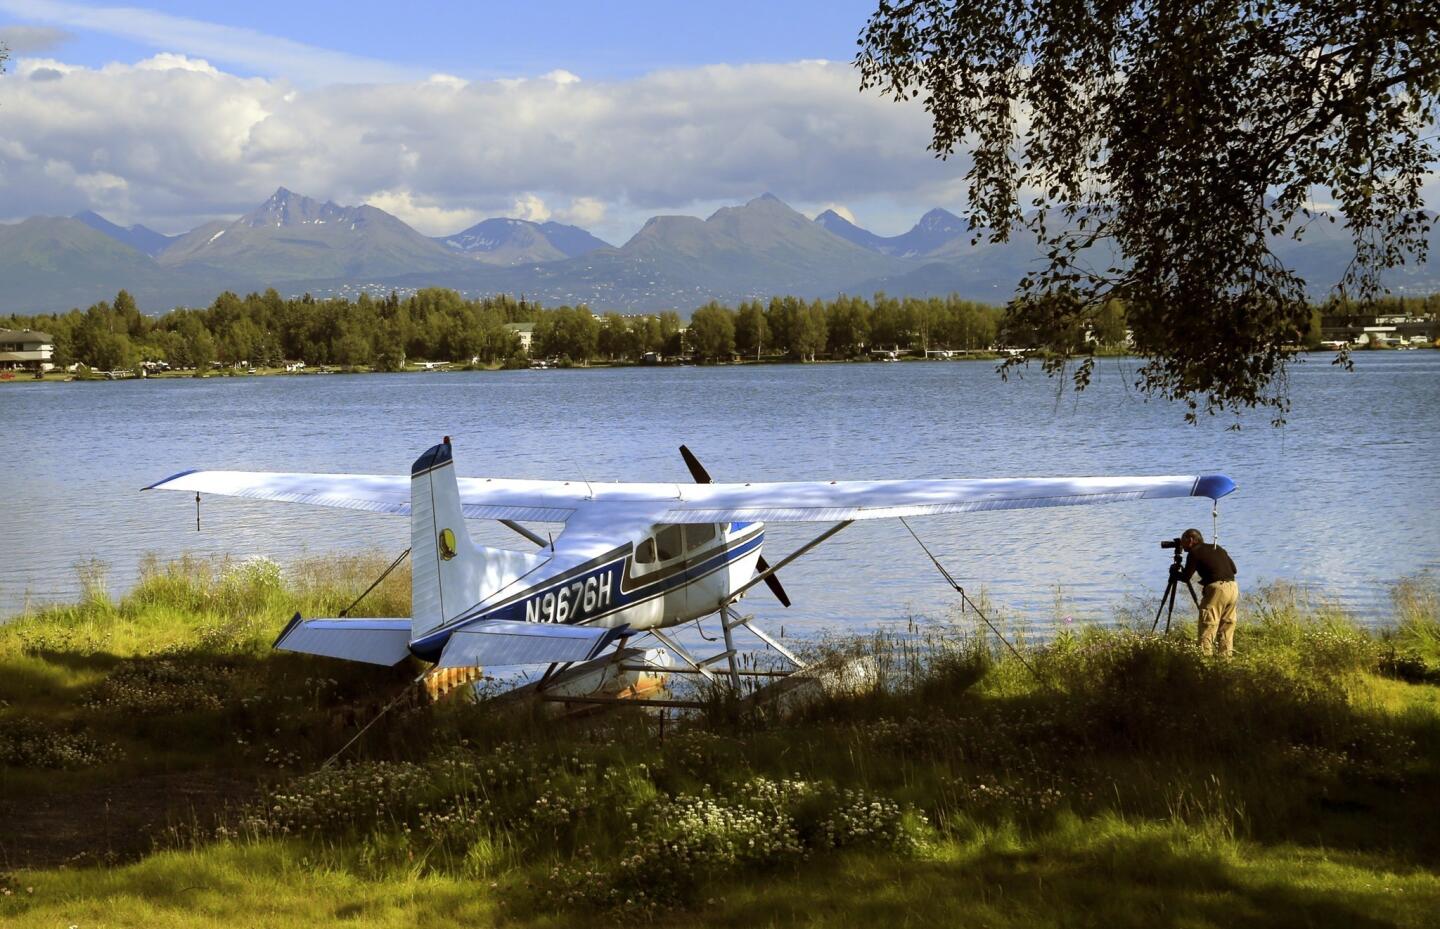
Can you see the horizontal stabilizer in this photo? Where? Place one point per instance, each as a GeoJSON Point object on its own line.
{"type": "Point", "coordinates": [374, 641]}
{"type": "Point", "coordinates": [499, 642]}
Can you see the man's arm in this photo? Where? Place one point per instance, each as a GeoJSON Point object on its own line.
{"type": "Point", "coordinates": [1188, 571]}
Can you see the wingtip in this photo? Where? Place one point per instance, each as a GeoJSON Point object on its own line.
{"type": "Point", "coordinates": [294, 621]}
{"type": "Point", "coordinates": [1214, 486]}
{"type": "Point", "coordinates": [175, 476]}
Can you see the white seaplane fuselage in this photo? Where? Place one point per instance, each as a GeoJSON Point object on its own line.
{"type": "Point", "coordinates": [671, 575]}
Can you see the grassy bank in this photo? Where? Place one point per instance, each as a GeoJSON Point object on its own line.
{"type": "Point", "coordinates": [160, 766]}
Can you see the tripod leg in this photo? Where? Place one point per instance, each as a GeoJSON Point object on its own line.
{"type": "Point", "coordinates": [1171, 612]}
{"type": "Point", "coordinates": [1167, 594]}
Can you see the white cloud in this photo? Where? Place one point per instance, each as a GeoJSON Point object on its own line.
{"type": "Point", "coordinates": [29, 67]}
{"type": "Point", "coordinates": [583, 211]}
{"type": "Point", "coordinates": [170, 61]}
{"type": "Point", "coordinates": [531, 207]}
{"type": "Point", "coordinates": [247, 48]}
{"type": "Point", "coordinates": [26, 40]}
{"type": "Point", "coordinates": [427, 217]}
{"type": "Point", "coordinates": [192, 142]}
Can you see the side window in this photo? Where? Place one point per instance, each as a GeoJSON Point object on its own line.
{"type": "Point", "coordinates": [645, 552]}
{"type": "Point", "coordinates": [698, 536]}
{"type": "Point", "coordinates": [667, 543]}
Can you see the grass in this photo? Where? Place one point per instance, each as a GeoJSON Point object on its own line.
{"type": "Point", "coordinates": [1129, 781]}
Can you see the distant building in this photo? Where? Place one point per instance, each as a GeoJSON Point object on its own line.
{"type": "Point", "coordinates": [526, 332]}
{"type": "Point", "coordinates": [1390, 331]}
{"type": "Point", "coordinates": [26, 350]}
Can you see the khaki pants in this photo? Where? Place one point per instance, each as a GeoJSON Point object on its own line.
{"type": "Point", "coordinates": [1217, 615]}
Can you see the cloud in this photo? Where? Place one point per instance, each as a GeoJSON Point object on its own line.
{"type": "Point", "coordinates": [193, 142]}
{"type": "Point", "coordinates": [530, 207]}
{"type": "Point", "coordinates": [840, 210]}
{"type": "Point", "coordinates": [170, 61]}
{"type": "Point", "coordinates": [428, 217]}
{"type": "Point", "coordinates": [248, 48]}
{"type": "Point", "coordinates": [583, 211]}
{"type": "Point", "coordinates": [26, 40]}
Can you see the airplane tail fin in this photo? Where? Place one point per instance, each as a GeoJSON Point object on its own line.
{"type": "Point", "coordinates": [450, 573]}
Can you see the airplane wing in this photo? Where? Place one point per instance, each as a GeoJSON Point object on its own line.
{"type": "Point", "coordinates": [798, 501]}
{"type": "Point", "coordinates": [480, 498]}
{"type": "Point", "coordinates": [832, 501]}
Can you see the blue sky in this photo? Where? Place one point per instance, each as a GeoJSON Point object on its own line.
{"type": "Point", "coordinates": [602, 114]}
{"type": "Point", "coordinates": [492, 39]}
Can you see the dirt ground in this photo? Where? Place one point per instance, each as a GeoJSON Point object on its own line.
{"type": "Point", "coordinates": [114, 823]}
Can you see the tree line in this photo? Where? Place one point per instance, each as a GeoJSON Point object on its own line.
{"type": "Point", "coordinates": [265, 330]}
{"type": "Point", "coordinates": [790, 327]}
{"type": "Point", "coordinates": [436, 324]}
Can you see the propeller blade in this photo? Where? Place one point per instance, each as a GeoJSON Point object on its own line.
{"type": "Point", "coordinates": [773, 582]}
{"type": "Point", "coordinates": [701, 476]}
{"type": "Point", "coordinates": [697, 470]}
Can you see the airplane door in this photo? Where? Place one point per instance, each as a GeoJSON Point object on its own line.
{"type": "Point", "coordinates": [670, 550]}
{"type": "Point", "coordinates": [704, 584]}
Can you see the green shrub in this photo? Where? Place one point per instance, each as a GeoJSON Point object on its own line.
{"type": "Point", "coordinates": [683, 842]}
{"type": "Point", "coordinates": [163, 686]}
{"type": "Point", "coordinates": [27, 743]}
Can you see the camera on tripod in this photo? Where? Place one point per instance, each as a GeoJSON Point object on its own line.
{"type": "Point", "coordinates": [1167, 599]}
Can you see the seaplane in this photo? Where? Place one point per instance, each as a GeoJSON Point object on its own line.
{"type": "Point", "coordinates": [631, 559]}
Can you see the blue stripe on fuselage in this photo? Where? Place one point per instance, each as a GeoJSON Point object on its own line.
{"type": "Point", "coordinates": [529, 604]}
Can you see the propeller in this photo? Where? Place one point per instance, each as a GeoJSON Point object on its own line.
{"type": "Point", "coordinates": [701, 476]}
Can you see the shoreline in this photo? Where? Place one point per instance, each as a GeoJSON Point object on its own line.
{"type": "Point", "coordinates": [453, 368]}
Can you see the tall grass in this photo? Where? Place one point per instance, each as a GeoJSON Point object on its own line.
{"type": "Point", "coordinates": [179, 671]}
{"type": "Point", "coordinates": [1287, 780]}
{"type": "Point", "coordinates": [225, 603]}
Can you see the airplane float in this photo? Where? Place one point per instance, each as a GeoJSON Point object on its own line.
{"type": "Point", "coordinates": [632, 559]}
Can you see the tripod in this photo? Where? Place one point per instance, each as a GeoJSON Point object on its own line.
{"type": "Point", "coordinates": [1167, 599]}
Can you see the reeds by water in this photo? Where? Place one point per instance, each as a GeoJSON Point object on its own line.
{"type": "Point", "coordinates": [1131, 757]}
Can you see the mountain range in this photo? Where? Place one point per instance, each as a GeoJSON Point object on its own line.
{"type": "Point", "coordinates": [755, 250]}
{"type": "Point", "coordinates": [935, 230]}
{"type": "Point", "coordinates": [520, 241]}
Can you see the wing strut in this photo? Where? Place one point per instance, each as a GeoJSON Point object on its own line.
{"type": "Point", "coordinates": [765, 575]}
{"type": "Point", "coordinates": [532, 536]}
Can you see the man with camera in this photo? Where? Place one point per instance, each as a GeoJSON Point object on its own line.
{"type": "Point", "coordinates": [1220, 594]}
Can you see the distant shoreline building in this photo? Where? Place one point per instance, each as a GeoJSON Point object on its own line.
{"type": "Point", "coordinates": [526, 332]}
{"type": "Point", "coordinates": [1386, 331]}
{"type": "Point", "coordinates": [26, 350]}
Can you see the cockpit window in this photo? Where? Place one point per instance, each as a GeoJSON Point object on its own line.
{"type": "Point", "coordinates": [645, 552]}
{"type": "Point", "coordinates": [667, 543]}
{"type": "Point", "coordinates": [697, 536]}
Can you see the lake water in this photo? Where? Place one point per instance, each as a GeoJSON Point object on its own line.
{"type": "Point", "coordinates": [1344, 498]}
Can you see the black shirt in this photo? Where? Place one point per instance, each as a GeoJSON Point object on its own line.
{"type": "Point", "coordinates": [1211, 561]}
